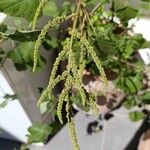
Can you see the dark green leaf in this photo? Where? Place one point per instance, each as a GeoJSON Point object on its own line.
{"type": "Point", "coordinates": [19, 8]}
{"type": "Point", "coordinates": [50, 9]}
{"type": "Point", "coordinates": [133, 84]}
{"type": "Point", "coordinates": [145, 0]}
{"type": "Point", "coordinates": [76, 99]}
{"type": "Point", "coordinates": [118, 4]}
{"type": "Point", "coordinates": [40, 89]}
{"type": "Point", "coordinates": [12, 97]}
{"type": "Point", "coordinates": [129, 103]}
{"type": "Point", "coordinates": [127, 13]}
{"type": "Point", "coordinates": [146, 97]}
{"type": "Point", "coordinates": [22, 57]}
{"type": "Point", "coordinates": [24, 36]}
{"type": "Point", "coordinates": [136, 116]}
{"type": "Point", "coordinates": [50, 43]}
{"type": "Point", "coordinates": [8, 98]}
{"type": "Point", "coordinates": [106, 46]}
{"type": "Point", "coordinates": [38, 132]}
{"type": "Point", "coordinates": [3, 28]}
{"type": "Point", "coordinates": [56, 126]}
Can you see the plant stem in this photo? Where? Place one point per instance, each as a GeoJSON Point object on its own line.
{"type": "Point", "coordinates": [72, 36]}
{"type": "Point", "coordinates": [95, 8]}
{"type": "Point", "coordinates": [75, 22]}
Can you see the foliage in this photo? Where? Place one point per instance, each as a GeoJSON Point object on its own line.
{"type": "Point", "coordinates": [7, 98]}
{"type": "Point", "coordinates": [89, 37]}
{"type": "Point", "coordinates": [39, 132]}
{"type": "Point", "coordinates": [22, 57]}
{"type": "Point", "coordinates": [19, 8]}
{"type": "Point", "coordinates": [136, 116]}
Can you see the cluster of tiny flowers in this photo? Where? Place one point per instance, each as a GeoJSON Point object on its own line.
{"type": "Point", "coordinates": [53, 81]}
{"type": "Point", "coordinates": [71, 127]}
{"type": "Point", "coordinates": [72, 75]}
{"type": "Point", "coordinates": [91, 51]}
{"type": "Point", "coordinates": [94, 106]}
{"type": "Point", "coordinates": [82, 60]}
{"type": "Point", "coordinates": [63, 96]}
{"type": "Point", "coordinates": [37, 13]}
{"type": "Point", "coordinates": [77, 77]}
{"type": "Point", "coordinates": [42, 35]}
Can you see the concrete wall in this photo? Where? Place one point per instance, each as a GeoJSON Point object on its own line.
{"type": "Point", "coordinates": [18, 115]}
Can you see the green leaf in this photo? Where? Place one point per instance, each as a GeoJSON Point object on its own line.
{"type": "Point", "coordinates": [8, 98]}
{"type": "Point", "coordinates": [24, 36]}
{"type": "Point", "coordinates": [118, 4]}
{"type": "Point", "coordinates": [136, 116]}
{"type": "Point", "coordinates": [146, 97]}
{"type": "Point", "coordinates": [76, 99]}
{"type": "Point", "coordinates": [22, 57]}
{"type": "Point", "coordinates": [3, 28]}
{"type": "Point", "coordinates": [133, 84]}
{"type": "Point", "coordinates": [19, 8]}
{"type": "Point", "coordinates": [128, 45]}
{"type": "Point", "coordinates": [127, 13]}
{"type": "Point", "coordinates": [11, 97]}
{"type": "Point", "coordinates": [129, 102]}
{"type": "Point", "coordinates": [3, 104]}
{"type": "Point", "coordinates": [50, 9]}
{"type": "Point", "coordinates": [38, 132]}
{"type": "Point", "coordinates": [145, 0]}
{"type": "Point", "coordinates": [50, 43]}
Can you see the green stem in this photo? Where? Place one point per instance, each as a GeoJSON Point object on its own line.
{"type": "Point", "coordinates": [74, 26]}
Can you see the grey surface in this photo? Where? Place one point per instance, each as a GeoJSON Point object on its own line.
{"type": "Point", "coordinates": [116, 134]}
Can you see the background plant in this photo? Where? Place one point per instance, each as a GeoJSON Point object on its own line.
{"type": "Point", "coordinates": [89, 37]}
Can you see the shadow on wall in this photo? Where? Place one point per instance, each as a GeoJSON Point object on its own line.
{"type": "Point", "coordinates": [7, 144]}
{"type": "Point", "coordinates": [135, 140]}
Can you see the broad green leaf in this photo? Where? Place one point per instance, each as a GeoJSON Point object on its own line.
{"type": "Point", "coordinates": [118, 4]}
{"type": "Point", "coordinates": [133, 84]}
{"type": "Point", "coordinates": [67, 7]}
{"type": "Point", "coordinates": [106, 46]}
{"type": "Point", "coordinates": [146, 97]}
{"type": "Point", "coordinates": [129, 102]}
{"type": "Point", "coordinates": [50, 43]}
{"type": "Point", "coordinates": [136, 116]}
{"type": "Point", "coordinates": [76, 99]}
{"type": "Point", "coordinates": [127, 13]}
{"type": "Point", "coordinates": [19, 8]}
{"type": "Point", "coordinates": [22, 57]}
{"type": "Point", "coordinates": [38, 132]}
{"type": "Point", "coordinates": [127, 45]}
{"type": "Point", "coordinates": [127, 51]}
{"type": "Point", "coordinates": [50, 9]}
{"type": "Point", "coordinates": [56, 126]}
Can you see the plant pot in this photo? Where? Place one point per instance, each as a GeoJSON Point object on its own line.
{"type": "Point", "coordinates": [106, 100]}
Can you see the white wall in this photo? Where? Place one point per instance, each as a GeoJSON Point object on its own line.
{"type": "Point", "coordinates": [18, 115]}
{"type": "Point", "coordinates": [13, 118]}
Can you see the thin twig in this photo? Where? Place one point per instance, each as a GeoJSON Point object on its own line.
{"type": "Point", "coordinates": [95, 8]}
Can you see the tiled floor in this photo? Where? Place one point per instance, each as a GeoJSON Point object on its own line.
{"type": "Point", "coordinates": [117, 133]}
